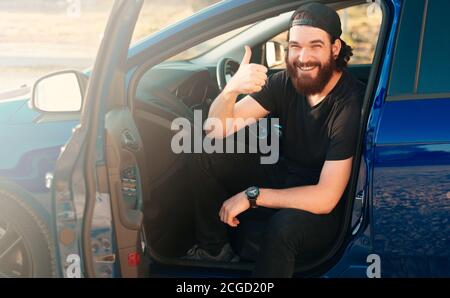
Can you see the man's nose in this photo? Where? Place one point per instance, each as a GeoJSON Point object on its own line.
{"type": "Point", "coordinates": [303, 56]}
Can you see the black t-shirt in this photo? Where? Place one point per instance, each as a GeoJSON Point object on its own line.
{"type": "Point", "coordinates": [311, 135]}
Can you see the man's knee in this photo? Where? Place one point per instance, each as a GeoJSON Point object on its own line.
{"type": "Point", "coordinates": [285, 227]}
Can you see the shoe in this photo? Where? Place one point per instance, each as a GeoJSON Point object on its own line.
{"type": "Point", "coordinates": [226, 254]}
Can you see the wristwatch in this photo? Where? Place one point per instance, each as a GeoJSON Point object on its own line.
{"type": "Point", "coordinates": [252, 194]}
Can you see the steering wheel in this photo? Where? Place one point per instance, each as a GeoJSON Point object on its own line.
{"type": "Point", "coordinates": [225, 70]}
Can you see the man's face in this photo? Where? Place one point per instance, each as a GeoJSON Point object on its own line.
{"type": "Point", "coordinates": [310, 60]}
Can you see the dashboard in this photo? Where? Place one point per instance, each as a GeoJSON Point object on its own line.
{"type": "Point", "coordinates": [177, 86]}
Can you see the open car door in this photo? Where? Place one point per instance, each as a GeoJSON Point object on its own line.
{"type": "Point", "coordinates": [98, 195]}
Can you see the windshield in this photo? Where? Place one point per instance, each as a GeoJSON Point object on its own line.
{"type": "Point", "coordinates": [208, 45]}
{"type": "Point", "coordinates": [158, 14]}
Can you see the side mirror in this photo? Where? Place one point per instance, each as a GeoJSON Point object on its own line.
{"type": "Point", "coordinates": [274, 53]}
{"type": "Point", "coordinates": [59, 92]}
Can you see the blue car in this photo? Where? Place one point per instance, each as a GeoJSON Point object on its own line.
{"type": "Point", "coordinates": [90, 187]}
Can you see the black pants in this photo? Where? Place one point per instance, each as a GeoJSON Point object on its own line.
{"type": "Point", "coordinates": [288, 234]}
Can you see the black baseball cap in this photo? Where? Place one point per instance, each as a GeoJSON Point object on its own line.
{"type": "Point", "coordinates": [318, 15]}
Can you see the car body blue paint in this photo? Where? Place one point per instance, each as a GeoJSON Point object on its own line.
{"type": "Point", "coordinates": [414, 121]}
{"type": "Point", "coordinates": [407, 159]}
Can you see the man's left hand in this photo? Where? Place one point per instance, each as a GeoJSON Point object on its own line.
{"type": "Point", "coordinates": [232, 208]}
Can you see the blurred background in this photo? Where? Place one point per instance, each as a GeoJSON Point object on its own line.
{"type": "Point", "coordinates": [42, 36]}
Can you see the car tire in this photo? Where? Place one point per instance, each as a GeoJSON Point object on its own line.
{"type": "Point", "coordinates": [26, 248]}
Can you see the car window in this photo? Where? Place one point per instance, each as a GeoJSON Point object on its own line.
{"type": "Point", "coordinates": [207, 45]}
{"type": "Point", "coordinates": [405, 55]}
{"type": "Point", "coordinates": [360, 29]}
{"type": "Point", "coordinates": [158, 14]}
{"type": "Point", "coordinates": [434, 74]}
{"type": "Point", "coordinates": [421, 58]}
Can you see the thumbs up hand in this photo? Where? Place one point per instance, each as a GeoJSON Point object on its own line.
{"type": "Point", "coordinates": [249, 78]}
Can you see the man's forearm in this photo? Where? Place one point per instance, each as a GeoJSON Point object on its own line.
{"type": "Point", "coordinates": [222, 108]}
{"type": "Point", "coordinates": [311, 198]}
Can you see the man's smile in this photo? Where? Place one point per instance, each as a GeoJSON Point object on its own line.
{"type": "Point", "coordinates": [307, 68]}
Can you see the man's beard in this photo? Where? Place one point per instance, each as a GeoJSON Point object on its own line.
{"type": "Point", "coordinates": [305, 84]}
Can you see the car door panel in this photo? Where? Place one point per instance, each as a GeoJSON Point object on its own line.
{"type": "Point", "coordinates": [125, 163]}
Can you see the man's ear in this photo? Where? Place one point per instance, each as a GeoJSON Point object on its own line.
{"type": "Point", "coordinates": [336, 48]}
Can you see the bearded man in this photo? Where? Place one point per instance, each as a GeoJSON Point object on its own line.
{"type": "Point", "coordinates": [318, 104]}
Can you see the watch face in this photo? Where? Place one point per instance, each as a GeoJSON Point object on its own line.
{"type": "Point", "coordinates": [253, 192]}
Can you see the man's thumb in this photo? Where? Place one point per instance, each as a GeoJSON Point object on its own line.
{"type": "Point", "coordinates": [247, 55]}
